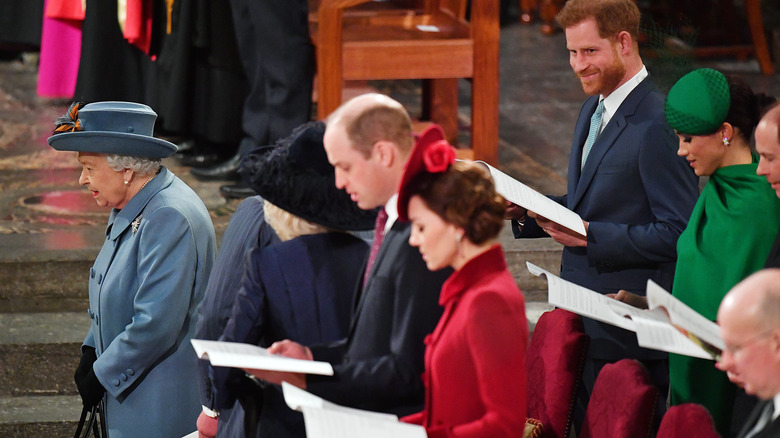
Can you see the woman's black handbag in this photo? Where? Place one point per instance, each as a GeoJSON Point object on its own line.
{"type": "Point", "coordinates": [92, 420]}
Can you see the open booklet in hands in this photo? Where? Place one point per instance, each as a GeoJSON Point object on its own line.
{"type": "Point", "coordinates": [669, 325]}
{"type": "Point", "coordinates": [248, 356]}
{"type": "Point", "coordinates": [324, 419]}
{"type": "Point", "coordinates": [528, 198]}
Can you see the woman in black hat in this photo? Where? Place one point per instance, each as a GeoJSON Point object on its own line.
{"type": "Point", "coordinates": [149, 277]}
{"type": "Point", "coordinates": [301, 288]}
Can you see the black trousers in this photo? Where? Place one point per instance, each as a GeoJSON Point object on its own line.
{"type": "Point", "coordinates": [278, 58]}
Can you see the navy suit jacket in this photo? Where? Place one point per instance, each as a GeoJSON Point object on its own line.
{"type": "Point", "coordinates": [379, 365]}
{"type": "Point", "coordinates": [771, 430]}
{"type": "Point", "coordinates": [301, 290]}
{"type": "Point", "coordinates": [637, 195]}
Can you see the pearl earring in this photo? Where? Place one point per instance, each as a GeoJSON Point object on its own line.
{"type": "Point", "coordinates": [726, 141]}
{"type": "Point", "coordinates": [127, 182]}
{"type": "Point", "coordinates": [458, 239]}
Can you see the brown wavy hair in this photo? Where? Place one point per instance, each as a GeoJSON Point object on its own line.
{"type": "Point", "coordinates": [612, 16]}
{"type": "Point", "coordinates": [464, 196]}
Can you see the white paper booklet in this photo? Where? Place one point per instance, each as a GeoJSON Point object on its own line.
{"type": "Point", "coordinates": [324, 419]}
{"type": "Point", "coordinates": [668, 326]}
{"type": "Point", "coordinates": [239, 355]}
{"type": "Point", "coordinates": [528, 198]}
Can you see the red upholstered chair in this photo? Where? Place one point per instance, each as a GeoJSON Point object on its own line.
{"type": "Point", "coordinates": [688, 420]}
{"type": "Point", "coordinates": [622, 404]}
{"type": "Point", "coordinates": [554, 362]}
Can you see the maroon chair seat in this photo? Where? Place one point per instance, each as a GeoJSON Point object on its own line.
{"type": "Point", "coordinates": [622, 404]}
{"type": "Point", "coordinates": [688, 420]}
{"type": "Point", "coordinates": [556, 355]}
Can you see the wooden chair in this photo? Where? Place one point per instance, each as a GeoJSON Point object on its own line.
{"type": "Point", "coordinates": [435, 44]}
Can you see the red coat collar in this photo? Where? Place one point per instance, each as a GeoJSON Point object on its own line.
{"type": "Point", "coordinates": [473, 272]}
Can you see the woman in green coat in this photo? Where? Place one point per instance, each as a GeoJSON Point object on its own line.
{"type": "Point", "coordinates": [733, 224]}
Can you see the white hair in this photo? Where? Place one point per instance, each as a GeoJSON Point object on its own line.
{"type": "Point", "coordinates": [139, 165]}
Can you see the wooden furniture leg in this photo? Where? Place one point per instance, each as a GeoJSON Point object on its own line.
{"type": "Point", "coordinates": [756, 24]}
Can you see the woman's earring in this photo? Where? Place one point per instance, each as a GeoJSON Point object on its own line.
{"type": "Point", "coordinates": [458, 238]}
{"type": "Point", "coordinates": [726, 141]}
{"type": "Point", "coordinates": [127, 182]}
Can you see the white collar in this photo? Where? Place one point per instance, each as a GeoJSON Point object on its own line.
{"type": "Point", "coordinates": [391, 208]}
{"type": "Point", "coordinates": [616, 98]}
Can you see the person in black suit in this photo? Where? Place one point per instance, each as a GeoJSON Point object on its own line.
{"type": "Point", "coordinates": [378, 366]}
{"type": "Point", "coordinates": [749, 320]}
{"type": "Point", "coordinates": [767, 137]}
{"type": "Point", "coordinates": [278, 59]}
{"type": "Point", "coordinates": [625, 180]}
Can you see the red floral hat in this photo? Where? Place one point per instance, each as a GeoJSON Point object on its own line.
{"type": "Point", "coordinates": [431, 154]}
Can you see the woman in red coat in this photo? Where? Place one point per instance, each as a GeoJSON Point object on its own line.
{"type": "Point", "coordinates": [475, 380]}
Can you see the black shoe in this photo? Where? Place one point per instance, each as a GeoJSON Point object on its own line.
{"type": "Point", "coordinates": [236, 191]}
{"type": "Point", "coordinates": [198, 159]}
{"type": "Point", "coordinates": [226, 171]}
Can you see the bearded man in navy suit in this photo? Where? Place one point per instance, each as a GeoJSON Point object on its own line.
{"type": "Point", "coordinates": [633, 193]}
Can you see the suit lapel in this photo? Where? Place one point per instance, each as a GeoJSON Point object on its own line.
{"type": "Point", "coordinates": [395, 233]}
{"type": "Point", "coordinates": [604, 141]}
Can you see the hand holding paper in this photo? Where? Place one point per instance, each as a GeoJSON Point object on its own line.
{"type": "Point", "coordinates": [528, 198]}
{"type": "Point", "coordinates": [559, 233]}
{"type": "Point", "coordinates": [669, 325]}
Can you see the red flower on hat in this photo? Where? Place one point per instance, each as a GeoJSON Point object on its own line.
{"type": "Point", "coordinates": [438, 157]}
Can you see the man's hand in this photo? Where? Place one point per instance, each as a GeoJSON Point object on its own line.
{"type": "Point", "coordinates": [289, 349]}
{"type": "Point", "coordinates": [559, 233]}
{"type": "Point", "coordinates": [515, 212]}
{"type": "Point", "coordinates": [630, 298]}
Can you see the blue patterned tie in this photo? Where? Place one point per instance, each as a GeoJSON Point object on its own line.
{"type": "Point", "coordinates": [595, 124]}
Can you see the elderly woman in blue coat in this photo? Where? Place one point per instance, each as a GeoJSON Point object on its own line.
{"type": "Point", "coordinates": [149, 277]}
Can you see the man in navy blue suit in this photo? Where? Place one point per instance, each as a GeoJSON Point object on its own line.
{"type": "Point", "coordinates": [624, 179]}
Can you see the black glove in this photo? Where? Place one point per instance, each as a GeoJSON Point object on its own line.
{"type": "Point", "coordinates": [88, 357]}
{"type": "Point", "coordinates": [90, 389]}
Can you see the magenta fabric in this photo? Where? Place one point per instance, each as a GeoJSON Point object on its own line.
{"type": "Point", "coordinates": [622, 404]}
{"type": "Point", "coordinates": [60, 53]}
{"type": "Point", "coordinates": [556, 355]}
{"type": "Point", "coordinates": [688, 420]}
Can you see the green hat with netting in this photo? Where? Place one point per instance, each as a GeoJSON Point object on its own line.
{"type": "Point", "coordinates": [699, 102]}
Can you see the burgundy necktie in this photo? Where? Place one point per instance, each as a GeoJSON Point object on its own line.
{"type": "Point", "coordinates": [379, 235]}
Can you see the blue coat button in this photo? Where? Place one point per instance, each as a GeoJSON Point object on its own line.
{"type": "Point", "coordinates": [123, 376]}
{"type": "Point", "coordinates": [130, 372]}
{"type": "Point", "coordinates": [116, 382]}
